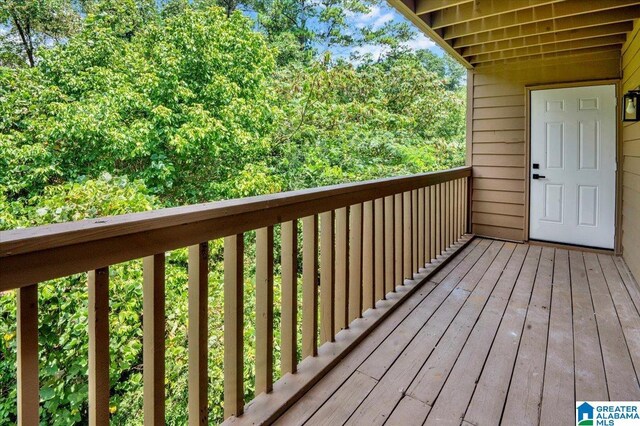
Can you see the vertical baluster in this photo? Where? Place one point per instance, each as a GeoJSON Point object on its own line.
{"type": "Point", "coordinates": [427, 225]}
{"type": "Point", "coordinates": [367, 257]}
{"type": "Point", "coordinates": [462, 197]}
{"type": "Point", "coordinates": [289, 297]}
{"type": "Point", "coordinates": [99, 346]}
{"type": "Point", "coordinates": [414, 232]}
{"type": "Point", "coordinates": [399, 234]}
{"type": "Point", "coordinates": [438, 215]}
{"type": "Point", "coordinates": [264, 310]}
{"type": "Point", "coordinates": [379, 249]}
{"type": "Point", "coordinates": [468, 189]}
{"type": "Point", "coordinates": [452, 214]}
{"type": "Point", "coordinates": [153, 307]}
{"type": "Point", "coordinates": [233, 325]}
{"type": "Point", "coordinates": [28, 384]}
{"type": "Point", "coordinates": [309, 286]}
{"type": "Point", "coordinates": [447, 214]}
{"type": "Point", "coordinates": [408, 244]}
{"type": "Point", "coordinates": [355, 262]}
{"type": "Point", "coordinates": [421, 231]}
{"type": "Point", "coordinates": [389, 245]}
{"type": "Point", "coordinates": [432, 223]}
{"type": "Point", "coordinates": [327, 277]}
{"type": "Point", "coordinates": [342, 270]}
{"type": "Point", "coordinates": [454, 208]}
{"type": "Point", "coordinates": [198, 333]}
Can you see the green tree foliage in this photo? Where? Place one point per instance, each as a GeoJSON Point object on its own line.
{"type": "Point", "coordinates": [142, 107]}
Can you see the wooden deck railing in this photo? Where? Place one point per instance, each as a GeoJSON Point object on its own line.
{"type": "Point", "coordinates": [370, 235]}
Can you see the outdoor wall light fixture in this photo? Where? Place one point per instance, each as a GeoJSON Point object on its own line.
{"type": "Point", "coordinates": [630, 105]}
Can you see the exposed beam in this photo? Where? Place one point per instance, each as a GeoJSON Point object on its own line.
{"type": "Point", "coordinates": [480, 10]}
{"type": "Point", "coordinates": [579, 9]}
{"type": "Point", "coordinates": [408, 13]}
{"type": "Point", "coordinates": [542, 39]}
{"type": "Point", "coordinates": [572, 45]}
{"type": "Point", "coordinates": [551, 26]}
{"type": "Point", "coordinates": [428, 6]}
{"type": "Point", "coordinates": [554, 59]}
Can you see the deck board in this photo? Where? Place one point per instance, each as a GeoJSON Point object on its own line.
{"type": "Point", "coordinates": [504, 333]}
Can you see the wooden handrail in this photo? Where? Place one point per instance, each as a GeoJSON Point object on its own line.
{"type": "Point", "coordinates": [361, 242]}
{"type": "Point", "coordinates": [42, 253]}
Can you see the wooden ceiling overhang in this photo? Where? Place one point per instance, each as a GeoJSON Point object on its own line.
{"type": "Point", "coordinates": [492, 32]}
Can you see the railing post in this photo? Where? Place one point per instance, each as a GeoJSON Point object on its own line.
{"type": "Point", "coordinates": [233, 325]}
{"type": "Point", "coordinates": [355, 262]}
{"type": "Point", "coordinates": [289, 297]}
{"type": "Point", "coordinates": [198, 333]}
{"type": "Point", "coordinates": [342, 270]}
{"type": "Point", "coordinates": [99, 347]}
{"type": "Point", "coordinates": [309, 286]}
{"type": "Point", "coordinates": [28, 384]}
{"type": "Point", "coordinates": [153, 314]}
{"type": "Point", "coordinates": [264, 310]}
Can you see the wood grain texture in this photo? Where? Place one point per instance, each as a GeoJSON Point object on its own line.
{"type": "Point", "coordinates": [233, 325]}
{"type": "Point", "coordinates": [264, 310]}
{"type": "Point", "coordinates": [27, 375]}
{"type": "Point", "coordinates": [289, 298]}
{"type": "Point", "coordinates": [153, 346]}
{"type": "Point", "coordinates": [198, 333]}
{"type": "Point", "coordinates": [98, 318]}
{"type": "Point", "coordinates": [53, 251]}
{"type": "Point", "coordinates": [309, 286]}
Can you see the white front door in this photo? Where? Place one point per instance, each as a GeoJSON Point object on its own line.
{"type": "Point", "coordinates": [573, 163]}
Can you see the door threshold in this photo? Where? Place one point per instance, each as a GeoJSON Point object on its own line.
{"type": "Point", "coordinates": [570, 246]}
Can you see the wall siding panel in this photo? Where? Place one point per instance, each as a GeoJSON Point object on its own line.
{"type": "Point", "coordinates": [498, 133]}
{"type": "Point", "coordinates": [631, 158]}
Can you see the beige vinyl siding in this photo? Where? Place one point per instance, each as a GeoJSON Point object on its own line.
{"type": "Point", "coordinates": [631, 158]}
{"type": "Point", "coordinates": [498, 151]}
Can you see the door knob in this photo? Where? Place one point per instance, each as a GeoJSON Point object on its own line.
{"type": "Point", "coordinates": [537, 176]}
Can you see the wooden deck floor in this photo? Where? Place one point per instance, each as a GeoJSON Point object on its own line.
{"type": "Point", "coordinates": [505, 333]}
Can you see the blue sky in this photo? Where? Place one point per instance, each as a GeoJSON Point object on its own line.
{"type": "Point", "coordinates": [377, 17]}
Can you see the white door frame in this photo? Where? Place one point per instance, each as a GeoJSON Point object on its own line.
{"type": "Point", "coordinates": [618, 178]}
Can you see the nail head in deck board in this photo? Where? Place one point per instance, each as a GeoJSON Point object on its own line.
{"type": "Point", "coordinates": [98, 320]}
{"type": "Point", "coordinates": [428, 382]}
{"type": "Point", "coordinates": [264, 310]}
{"type": "Point", "coordinates": [289, 301]}
{"type": "Point", "coordinates": [558, 390]}
{"type": "Point", "coordinates": [380, 402]}
{"type": "Point", "coordinates": [153, 301]}
{"type": "Point", "coordinates": [27, 358]}
{"type": "Point", "coordinates": [408, 412]}
{"type": "Point", "coordinates": [525, 391]}
{"type": "Point", "coordinates": [383, 357]}
{"type": "Point", "coordinates": [621, 378]}
{"type": "Point", "coordinates": [337, 409]}
{"type": "Point", "coordinates": [454, 397]}
{"type": "Point", "coordinates": [627, 313]}
{"type": "Point", "coordinates": [591, 384]}
{"type": "Point", "coordinates": [233, 325]}
{"type": "Point", "coordinates": [489, 395]}
{"type": "Point", "coordinates": [309, 286]}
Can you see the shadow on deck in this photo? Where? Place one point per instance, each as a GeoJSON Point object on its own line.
{"type": "Point", "coordinates": [504, 333]}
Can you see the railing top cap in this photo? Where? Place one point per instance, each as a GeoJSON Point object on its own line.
{"type": "Point", "coordinates": [49, 236]}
